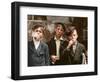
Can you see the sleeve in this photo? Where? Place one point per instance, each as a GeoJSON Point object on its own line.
{"type": "Point", "coordinates": [66, 57]}
{"type": "Point", "coordinates": [83, 58]}
{"type": "Point", "coordinates": [84, 55]}
{"type": "Point", "coordinates": [47, 58]}
{"type": "Point", "coordinates": [49, 47]}
{"type": "Point", "coordinates": [29, 55]}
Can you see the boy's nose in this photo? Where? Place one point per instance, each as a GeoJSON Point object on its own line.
{"type": "Point", "coordinates": [38, 32]}
{"type": "Point", "coordinates": [72, 38]}
{"type": "Point", "coordinates": [59, 31]}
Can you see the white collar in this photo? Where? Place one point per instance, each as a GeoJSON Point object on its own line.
{"type": "Point", "coordinates": [61, 38]}
{"type": "Point", "coordinates": [36, 43]}
{"type": "Point", "coordinates": [36, 40]}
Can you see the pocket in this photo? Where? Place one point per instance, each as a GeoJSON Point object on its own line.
{"type": "Point", "coordinates": [42, 53]}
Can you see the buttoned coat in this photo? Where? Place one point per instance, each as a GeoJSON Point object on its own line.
{"type": "Point", "coordinates": [39, 57]}
{"type": "Point", "coordinates": [70, 57]}
{"type": "Point", "coordinates": [52, 49]}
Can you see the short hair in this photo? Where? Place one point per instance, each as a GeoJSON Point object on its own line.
{"type": "Point", "coordinates": [70, 30]}
{"type": "Point", "coordinates": [38, 26]}
{"type": "Point", "coordinates": [63, 26]}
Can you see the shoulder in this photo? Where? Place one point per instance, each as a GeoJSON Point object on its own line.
{"type": "Point", "coordinates": [51, 41]}
{"type": "Point", "coordinates": [81, 45]}
{"type": "Point", "coordinates": [30, 45]}
{"type": "Point", "coordinates": [44, 44]}
{"type": "Point", "coordinates": [65, 42]}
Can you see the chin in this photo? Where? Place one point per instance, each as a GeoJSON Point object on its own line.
{"type": "Point", "coordinates": [74, 40]}
{"type": "Point", "coordinates": [59, 35]}
{"type": "Point", "coordinates": [37, 39]}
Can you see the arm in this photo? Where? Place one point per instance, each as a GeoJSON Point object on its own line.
{"type": "Point", "coordinates": [47, 58]}
{"type": "Point", "coordinates": [85, 56]}
{"type": "Point", "coordinates": [52, 51]}
{"type": "Point", "coordinates": [66, 57]}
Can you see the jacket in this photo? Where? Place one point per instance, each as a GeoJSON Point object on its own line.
{"type": "Point", "coordinates": [70, 57]}
{"type": "Point", "coordinates": [52, 49]}
{"type": "Point", "coordinates": [39, 57]}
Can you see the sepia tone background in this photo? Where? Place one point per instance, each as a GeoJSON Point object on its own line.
{"type": "Point", "coordinates": [48, 22]}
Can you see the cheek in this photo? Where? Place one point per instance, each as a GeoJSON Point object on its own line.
{"type": "Point", "coordinates": [62, 32]}
{"type": "Point", "coordinates": [75, 38]}
{"type": "Point", "coordinates": [41, 34]}
{"type": "Point", "coordinates": [56, 31]}
{"type": "Point", "coordinates": [33, 33]}
{"type": "Point", "coordinates": [69, 38]}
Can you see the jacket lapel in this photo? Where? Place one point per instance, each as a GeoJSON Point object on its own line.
{"type": "Point", "coordinates": [39, 49]}
{"type": "Point", "coordinates": [77, 48]}
{"type": "Point", "coordinates": [36, 51]}
{"type": "Point", "coordinates": [32, 46]}
{"type": "Point", "coordinates": [72, 53]}
{"type": "Point", "coordinates": [54, 46]}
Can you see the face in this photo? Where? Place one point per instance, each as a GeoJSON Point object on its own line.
{"type": "Point", "coordinates": [73, 36]}
{"type": "Point", "coordinates": [37, 34]}
{"type": "Point", "coordinates": [59, 31]}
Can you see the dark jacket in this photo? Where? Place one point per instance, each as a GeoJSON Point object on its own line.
{"type": "Point", "coordinates": [52, 49]}
{"type": "Point", "coordinates": [39, 57]}
{"type": "Point", "coordinates": [69, 57]}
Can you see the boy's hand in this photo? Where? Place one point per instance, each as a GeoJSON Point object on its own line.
{"type": "Point", "coordinates": [54, 58]}
{"type": "Point", "coordinates": [71, 42]}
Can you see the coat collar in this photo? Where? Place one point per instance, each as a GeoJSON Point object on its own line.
{"type": "Point", "coordinates": [38, 50]}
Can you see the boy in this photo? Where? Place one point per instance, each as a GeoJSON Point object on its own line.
{"type": "Point", "coordinates": [38, 54]}
{"type": "Point", "coordinates": [56, 44]}
{"type": "Point", "coordinates": [75, 52]}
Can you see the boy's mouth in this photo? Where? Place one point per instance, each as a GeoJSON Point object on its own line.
{"type": "Point", "coordinates": [35, 38]}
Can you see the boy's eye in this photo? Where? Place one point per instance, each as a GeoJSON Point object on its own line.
{"type": "Point", "coordinates": [60, 29]}
{"type": "Point", "coordinates": [38, 31]}
{"type": "Point", "coordinates": [74, 35]}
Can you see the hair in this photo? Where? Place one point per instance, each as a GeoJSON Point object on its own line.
{"type": "Point", "coordinates": [63, 26]}
{"type": "Point", "coordinates": [70, 30]}
{"type": "Point", "coordinates": [38, 26]}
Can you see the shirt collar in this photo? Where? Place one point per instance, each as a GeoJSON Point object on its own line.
{"type": "Point", "coordinates": [75, 43]}
{"type": "Point", "coordinates": [61, 38]}
{"type": "Point", "coordinates": [36, 41]}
